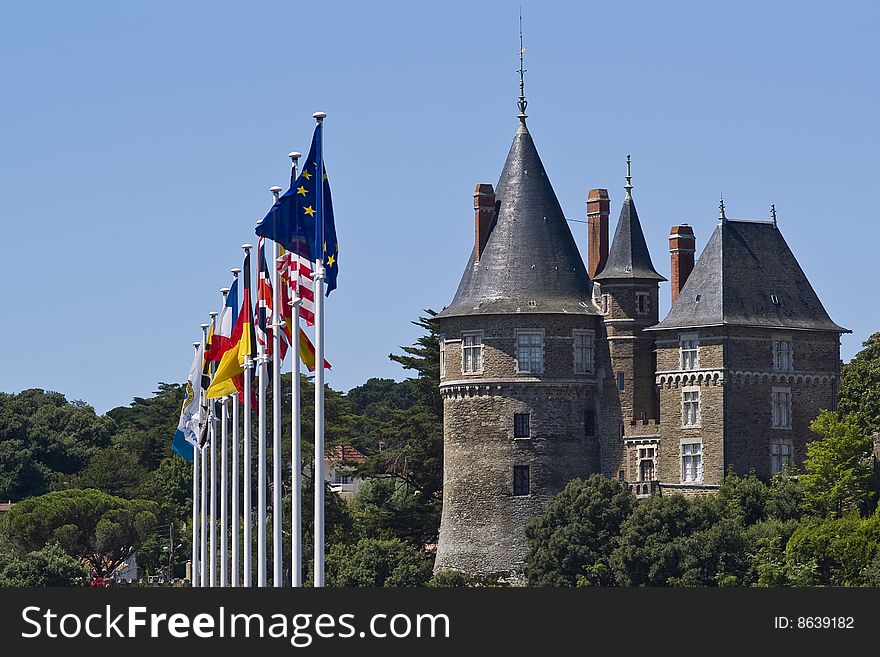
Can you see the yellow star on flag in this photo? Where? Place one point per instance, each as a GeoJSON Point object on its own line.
{"type": "Point", "coordinates": [307, 175]}
{"type": "Point", "coordinates": [309, 211]}
{"type": "Point", "coordinates": [301, 190]}
{"type": "Point", "coordinates": [331, 260]}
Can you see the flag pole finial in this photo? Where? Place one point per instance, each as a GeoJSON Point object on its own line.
{"type": "Point", "coordinates": [247, 247]}
{"type": "Point", "coordinates": [294, 155]}
{"type": "Point", "coordinates": [235, 271]}
{"type": "Point", "coordinates": [522, 103]}
{"type": "Point", "coordinates": [197, 344]}
{"type": "Point", "coordinates": [224, 290]}
{"type": "Point", "coordinates": [721, 216]}
{"type": "Point", "coordinates": [319, 116]}
{"type": "Point", "coordinates": [628, 186]}
{"type": "Point", "coordinates": [213, 314]}
{"type": "Point", "coordinates": [276, 191]}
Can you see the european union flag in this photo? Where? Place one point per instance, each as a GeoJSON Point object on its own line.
{"type": "Point", "coordinates": [301, 223]}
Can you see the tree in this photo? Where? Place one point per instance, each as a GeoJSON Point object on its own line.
{"type": "Point", "coordinates": [377, 562]}
{"type": "Point", "coordinates": [859, 391]}
{"type": "Point", "coordinates": [839, 471]}
{"type": "Point", "coordinates": [113, 470]}
{"type": "Point", "coordinates": [574, 538]}
{"type": "Point", "coordinates": [48, 566]}
{"type": "Point", "coordinates": [424, 358]}
{"type": "Point", "coordinates": [388, 508]}
{"type": "Point", "coordinates": [835, 552]}
{"type": "Point", "coordinates": [100, 529]}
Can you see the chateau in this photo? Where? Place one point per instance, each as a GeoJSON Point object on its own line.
{"type": "Point", "coordinates": [552, 369]}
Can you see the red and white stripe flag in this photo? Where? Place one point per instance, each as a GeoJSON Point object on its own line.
{"type": "Point", "coordinates": [297, 272]}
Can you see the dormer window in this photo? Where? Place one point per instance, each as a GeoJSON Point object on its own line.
{"type": "Point", "coordinates": [774, 299]}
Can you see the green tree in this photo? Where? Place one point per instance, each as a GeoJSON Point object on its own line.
{"type": "Point", "coordinates": [113, 470]}
{"type": "Point", "coordinates": [859, 390]}
{"type": "Point", "coordinates": [577, 533]}
{"type": "Point", "coordinates": [388, 508]}
{"type": "Point", "coordinates": [424, 359]}
{"type": "Point", "coordinates": [48, 566]}
{"type": "Point", "coordinates": [835, 552]}
{"type": "Point", "coordinates": [100, 529]}
{"type": "Point", "coordinates": [377, 562]}
{"type": "Point", "coordinates": [839, 471]}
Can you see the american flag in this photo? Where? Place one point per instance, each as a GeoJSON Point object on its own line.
{"type": "Point", "coordinates": [297, 272]}
{"type": "Point", "coordinates": [264, 306]}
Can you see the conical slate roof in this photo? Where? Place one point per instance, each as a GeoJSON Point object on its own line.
{"type": "Point", "coordinates": [531, 263]}
{"type": "Point", "coordinates": [747, 276]}
{"type": "Point", "coordinates": [628, 256]}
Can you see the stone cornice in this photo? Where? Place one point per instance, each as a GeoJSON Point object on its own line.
{"type": "Point", "coordinates": [718, 376]}
{"type": "Point", "coordinates": [477, 387]}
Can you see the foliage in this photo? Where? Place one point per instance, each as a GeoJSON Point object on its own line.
{"type": "Point", "coordinates": [377, 562]}
{"type": "Point", "coordinates": [577, 533]}
{"type": "Point", "coordinates": [839, 473]}
{"type": "Point", "coordinates": [859, 390]}
{"type": "Point", "coordinates": [100, 529]}
{"type": "Point", "coordinates": [388, 508]}
{"type": "Point", "coordinates": [834, 552]}
{"type": "Point", "coordinates": [451, 579]}
{"type": "Point", "coordinates": [48, 566]}
{"type": "Point", "coordinates": [424, 358]}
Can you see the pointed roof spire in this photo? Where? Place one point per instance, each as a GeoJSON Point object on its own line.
{"type": "Point", "coordinates": [628, 256]}
{"type": "Point", "coordinates": [721, 216]}
{"type": "Point", "coordinates": [628, 186]}
{"type": "Point", "coordinates": [523, 103]}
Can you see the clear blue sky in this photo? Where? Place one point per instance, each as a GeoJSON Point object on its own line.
{"type": "Point", "coordinates": [139, 140]}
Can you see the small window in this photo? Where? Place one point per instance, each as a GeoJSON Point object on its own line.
{"type": "Point", "coordinates": [621, 475]}
{"type": "Point", "coordinates": [621, 381]}
{"type": "Point", "coordinates": [521, 425]}
{"type": "Point", "coordinates": [698, 298]}
{"type": "Point", "coordinates": [583, 351]}
{"type": "Point", "coordinates": [646, 456]}
{"type": "Point", "coordinates": [520, 480]}
{"type": "Point", "coordinates": [589, 423]}
{"type": "Point", "coordinates": [774, 299]}
{"type": "Point", "coordinates": [690, 408]}
{"type": "Point", "coordinates": [781, 452]}
{"type": "Point", "coordinates": [643, 303]}
{"type": "Point", "coordinates": [530, 351]}
{"type": "Point", "coordinates": [472, 353]}
{"type": "Point", "coordinates": [780, 408]}
{"type": "Point", "coordinates": [782, 361]}
{"type": "Point", "coordinates": [691, 462]}
{"type": "Point", "coordinates": [604, 304]}
{"type": "Point", "coordinates": [690, 351]}
{"type": "Point", "coordinates": [442, 357]}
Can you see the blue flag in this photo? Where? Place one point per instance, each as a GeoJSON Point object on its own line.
{"type": "Point", "coordinates": [302, 221]}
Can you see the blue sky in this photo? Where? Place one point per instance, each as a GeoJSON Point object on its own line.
{"type": "Point", "coordinates": [139, 140]}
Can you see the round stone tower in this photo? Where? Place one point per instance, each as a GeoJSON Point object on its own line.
{"type": "Point", "coordinates": [518, 372]}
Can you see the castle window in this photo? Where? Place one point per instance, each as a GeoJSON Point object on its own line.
{"type": "Point", "coordinates": [520, 480]}
{"type": "Point", "coordinates": [604, 304]}
{"type": "Point", "coordinates": [521, 425]}
{"type": "Point", "coordinates": [472, 353]}
{"type": "Point", "coordinates": [530, 351]}
{"type": "Point", "coordinates": [442, 357]}
{"type": "Point", "coordinates": [781, 452]}
{"type": "Point", "coordinates": [646, 456]}
{"type": "Point", "coordinates": [782, 361]}
{"type": "Point", "coordinates": [691, 462]}
{"type": "Point", "coordinates": [690, 407]}
{"type": "Point", "coordinates": [690, 351]}
{"type": "Point", "coordinates": [583, 351]}
{"type": "Point", "coordinates": [589, 423]}
{"type": "Point", "coordinates": [780, 408]}
{"type": "Point", "coordinates": [621, 381]}
{"type": "Point", "coordinates": [643, 303]}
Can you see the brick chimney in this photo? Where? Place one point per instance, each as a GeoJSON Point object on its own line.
{"type": "Point", "coordinates": [682, 245]}
{"type": "Point", "coordinates": [598, 208]}
{"type": "Point", "coordinates": [484, 211]}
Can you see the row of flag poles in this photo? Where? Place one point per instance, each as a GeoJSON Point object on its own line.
{"type": "Point", "coordinates": [237, 347]}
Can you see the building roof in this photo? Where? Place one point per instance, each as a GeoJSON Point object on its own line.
{"type": "Point", "coordinates": [345, 453]}
{"type": "Point", "coordinates": [531, 263]}
{"type": "Point", "coordinates": [628, 256]}
{"type": "Point", "coordinates": [747, 276]}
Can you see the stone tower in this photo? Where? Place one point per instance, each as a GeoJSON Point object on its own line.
{"type": "Point", "coordinates": [627, 293]}
{"type": "Point", "coordinates": [518, 373]}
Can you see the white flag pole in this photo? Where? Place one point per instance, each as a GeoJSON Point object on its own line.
{"type": "Point", "coordinates": [276, 412]}
{"type": "Point", "coordinates": [295, 420]}
{"type": "Point", "coordinates": [235, 474]}
{"type": "Point", "coordinates": [224, 483]}
{"type": "Point", "coordinates": [319, 361]}
{"type": "Point", "coordinates": [248, 505]}
{"type": "Point", "coordinates": [212, 439]}
{"type": "Point", "coordinates": [194, 562]}
{"type": "Point", "coordinates": [202, 454]}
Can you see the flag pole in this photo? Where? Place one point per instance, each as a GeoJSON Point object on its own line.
{"type": "Point", "coordinates": [212, 439]}
{"type": "Point", "coordinates": [261, 464]}
{"type": "Point", "coordinates": [235, 475]}
{"type": "Point", "coordinates": [295, 420]}
{"type": "Point", "coordinates": [319, 354]}
{"type": "Point", "coordinates": [194, 562]}
{"type": "Point", "coordinates": [224, 483]}
{"type": "Point", "coordinates": [203, 544]}
{"type": "Point", "coordinates": [248, 365]}
{"type": "Point", "coordinates": [277, 562]}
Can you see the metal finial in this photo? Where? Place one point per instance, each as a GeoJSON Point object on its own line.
{"type": "Point", "coordinates": [523, 103]}
{"type": "Point", "coordinates": [224, 291]}
{"type": "Point", "coordinates": [235, 271]}
{"type": "Point", "coordinates": [247, 247]}
{"type": "Point", "coordinates": [721, 215]}
{"type": "Point", "coordinates": [276, 191]}
{"type": "Point", "coordinates": [197, 344]}
{"type": "Point", "coordinates": [294, 155]}
{"type": "Point", "coordinates": [294, 160]}
{"type": "Point", "coordinates": [628, 186]}
{"type": "Point", "coordinates": [773, 213]}
{"type": "Point", "coordinates": [213, 314]}
{"type": "Point", "coordinates": [319, 116]}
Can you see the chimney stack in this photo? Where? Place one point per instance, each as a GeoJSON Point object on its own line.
{"type": "Point", "coordinates": [484, 211]}
{"type": "Point", "coordinates": [598, 208]}
{"type": "Point", "coordinates": [682, 245]}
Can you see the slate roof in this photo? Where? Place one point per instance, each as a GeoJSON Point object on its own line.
{"type": "Point", "coordinates": [628, 256]}
{"type": "Point", "coordinates": [531, 263]}
{"type": "Point", "coordinates": [744, 265]}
